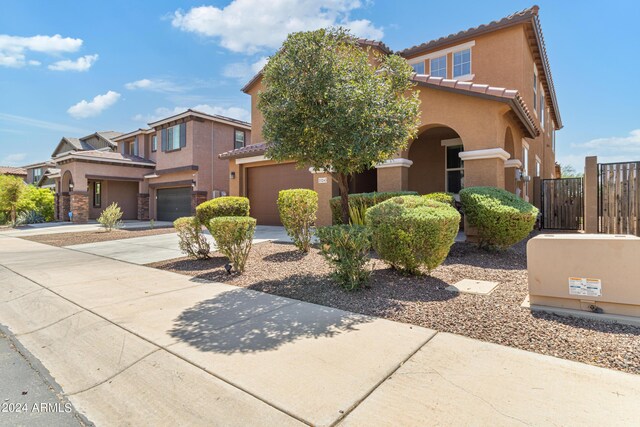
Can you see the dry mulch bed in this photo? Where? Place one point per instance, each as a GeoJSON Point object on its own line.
{"type": "Point", "coordinates": [68, 239]}
{"type": "Point", "coordinates": [280, 269]}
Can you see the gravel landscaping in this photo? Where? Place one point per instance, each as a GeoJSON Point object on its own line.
{"type": "Point", "coordinates": [278, 268]}
{"type": "Point", "coordinates": [68, 239]}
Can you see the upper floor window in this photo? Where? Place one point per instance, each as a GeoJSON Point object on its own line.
{"type": "Point", "coordinates": [135, 147]}
{"type": "Point", "coordinates": [538, 166]}
{"type": "Point", "coordinates": [174, 137]}
{"type": "Point", "coordinates": [419, 67]}
{"type": "Point", "coordinates": [238, 140]}
{"type": "Point", "coordinates": [37, 174]}
{"type": "Point", "coordinates": [542, 110]}
{"type": "Point", "coordinates": [553, 139]}
{"type": "Point", "coordinates": [535, 91]}
{"type": "Point", "coordinates": [439, 67]}
{"type": "Point", "coordinates": [462, 63]}
{"type": "Point", "coordinates": [154, 143]}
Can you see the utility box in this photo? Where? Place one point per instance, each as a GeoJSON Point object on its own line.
{"type": "Point", "coordinates": [599, 273]}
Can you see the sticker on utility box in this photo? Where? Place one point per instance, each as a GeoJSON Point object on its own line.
{"type": "Point", "coordinates": [585, 286]}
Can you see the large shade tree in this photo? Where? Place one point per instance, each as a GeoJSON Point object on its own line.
{"type": "Point", "coordinates": [330, 104]}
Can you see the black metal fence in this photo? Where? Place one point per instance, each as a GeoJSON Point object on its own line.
{"type": "Point", "coordinates": [619, 198]}
{"type": "Point", "coordinates": [562, 204]}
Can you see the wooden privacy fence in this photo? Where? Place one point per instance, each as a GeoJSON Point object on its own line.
{"type": "Point", "coordinates": [618, 198]}
{"type": "Point", "coordinates": [562, 203]}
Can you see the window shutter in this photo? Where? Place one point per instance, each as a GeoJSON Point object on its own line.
{"type": "Point", "coordinates": [163, 139]}
{"type": "Point", "coordinates": [183, 135]}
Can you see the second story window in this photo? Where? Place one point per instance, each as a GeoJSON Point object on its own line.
{"type": "Point", "coordinates": [462, 63]}
{"type": "Point", "coordinates": [154, 143]}
{"type": "Point", "coordinates": [174, 137]}
{"type": "Point", "coordinates": [419, 67]}
{"type": "Point", "coordinates": [135, 147]}
{"type": "Point", "coordinates": [37, 174]}
{"type": "Point", "coordinates": [535, 91]}
{"type": "Point", "coordinates": [238, 140]}
{"type": "Point", "coordinates": [439, 67]}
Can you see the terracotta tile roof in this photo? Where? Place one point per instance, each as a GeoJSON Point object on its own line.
{"type": "Point", "coordinates": [484, 91]}
{"type": "Point", "coordinates": [10, 170]}
{"type": "Point", "coordinates": [524, 16]}
{"type": "Point", "coordinates": [248, 151]}
{"type": "Point", "coordinates": [377, 44]}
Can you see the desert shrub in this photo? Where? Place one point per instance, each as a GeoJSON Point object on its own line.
{"type": "Point", "coordinates": [29, 217]}
{"type": "Point", "coordinates": [38, 200]}
{"type": "Point", "coordinates": [360, 202]}
{"type": "Point", "coordinates": [298, 210]}
{"type": "Point", "coordinates": [441, 197]}
{"type": "Point", "coordinates": [4, 218]}
{"type": "Point", "coordinates": [192, 242]}
{"type": "Point", "coordinates": [346, 248]}
{"type": "Point", "coordinates": [410, 232]}
{"type": "Point", "coordinates": [222, 206]}
{"type": "Point", "coordinates": [110, 218]}
{"type": "Point", "coordinates": [11, 190]}
{"type": "Point", "coordinates": [501, 218]}
{"type": "Point", "coordinates": [233, 236]}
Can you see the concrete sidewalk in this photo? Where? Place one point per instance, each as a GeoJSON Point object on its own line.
{"type": "Point", "coordinates": [134, 345]}
{"type": "Point", "coordinates": [162, 247]}
{"type": "Point", "coordinates": [67, 227]}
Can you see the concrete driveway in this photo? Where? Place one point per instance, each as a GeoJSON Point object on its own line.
{"type": "Point", "coordinates": [132, 345]}
{"type": "Point", "coordinates": [149, 249]}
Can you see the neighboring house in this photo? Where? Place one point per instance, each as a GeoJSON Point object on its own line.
{"type": "Point", "coordinates": [37, 171]}
{"type": "Point", "coordinates": [162, 172]}
{"type": "Point", "coordinates": [488, 111]}
{"type": "Point", "coordinates": [14, 171]}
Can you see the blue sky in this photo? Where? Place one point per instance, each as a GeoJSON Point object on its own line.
{"type": "Point", "coordinates": [117, 65]}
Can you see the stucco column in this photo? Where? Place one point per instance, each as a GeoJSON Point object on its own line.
{"type": "Point", "coordinates": [235, 179]}
{"type": "Point", "coordinates": [79, 206]}
{"type": "Point", "coordinates": [590, 194]}
{"type": "Point", "coordinates": [393, 175]}
{"type": "Point", "coordinates": [326, 189]}
{"type": "Point", "coordinates": [484, 167]}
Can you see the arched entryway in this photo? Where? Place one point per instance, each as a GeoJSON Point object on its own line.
{"type": "Point", "coordinates": [436, 164]}
{"type": "Point", "coordinates": [64, 198]}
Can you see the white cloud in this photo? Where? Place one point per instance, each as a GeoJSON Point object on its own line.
{"type": "Point", "coordinates": [13, 49]}
{"type": "Point", "coordinates": [81, 64]}
{"type": "Point", "coordinates": [243, 71]}
{"type": "Point", "coordinates": [249, 26]}
{"type": "Point", "coordinates": [162, 113]}
{"type": "Point", "coordinates": [94, 107]}
{"type": "Point", "coordinates": [13, 159]}
{"type": "Point", "coordinates": [154, 85]}
{"type": "Point", "coordinates": [30, 122]}
{"type": "Point", "coordinates": [609, 149]}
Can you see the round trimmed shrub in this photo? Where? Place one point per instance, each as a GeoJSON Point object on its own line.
{"type": "Point", "coordinates": [222, 206]}
{"type": "Point", "coordinates": [501, 218]}
{"type": "Point", "coordinates": [298, 210]}
{"type": "Point", "coordinates": [411, 232]}
{"type": "Point", "coordinates": [233, 236]}
{"type": "Point", "coordinates": [360, 202]}
{"type": "Point", "coordinates": [441, 197]}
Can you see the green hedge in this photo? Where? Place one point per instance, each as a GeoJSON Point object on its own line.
{"type": "Point", "coordinates": [501, 218]}
{"type": "Point", "coordinates": [360, 202]}
{"type": "Point", "coordinates": [298, 209]}
{"type": "Point", "coordinates": [222, 206]}
{"type": "Point", "coordinates": [233, 236]}
{"type": "Point", "coordinates": [346, 248]}
{"type": "Point", "coordinates": [441, 197]}
{"type": "Point", "coordinates": [411, 232]}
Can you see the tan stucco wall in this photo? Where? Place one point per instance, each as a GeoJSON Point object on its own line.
{"type": "Point", "coordinates": [257, 120]}
{"type": "Point", "coordinates": [610, 258]}
{"type": "Point", "coordinates": [124, 193]}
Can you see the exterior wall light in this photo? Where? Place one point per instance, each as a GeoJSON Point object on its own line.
{"type": "Point", "coordinates": [232, 175]}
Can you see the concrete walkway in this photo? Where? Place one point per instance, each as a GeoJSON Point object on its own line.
{"type": "Point", "coordinates": [132, 345]}
{"type": "Point", "coordinates": [162, 247]}
{"type": "Point", "coordinates": [67, 227]}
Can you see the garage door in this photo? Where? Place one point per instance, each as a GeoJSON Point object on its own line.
{"type": "Point", "coordinates": [264, 183]}
{"type": "Point", "coordinates": [173, 203]}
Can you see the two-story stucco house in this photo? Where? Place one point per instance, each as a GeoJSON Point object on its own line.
{"type": "Point", "coordinates": [162, 172]}
{"type": "Point", "coordinates": [488, 111]}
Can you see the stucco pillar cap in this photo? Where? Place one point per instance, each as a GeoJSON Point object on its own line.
{"type": "Point", "coordinates": [513, 163]}
{"type": "Point", "coordinates": [394, 163]}
{"type": "Point", "coordinates": [487, 153]}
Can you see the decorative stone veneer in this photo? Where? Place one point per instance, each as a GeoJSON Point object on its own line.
{"type": "Point", "coordinates": [143, 206]}
{"type": "Point", "coordinates": [197, 197]}
{"type": "Point", "coordinates": [80, 206]}
{"type": "Point", "coordinates": [65, 205]}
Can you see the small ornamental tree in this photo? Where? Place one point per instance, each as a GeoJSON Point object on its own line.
{"type": "Point", "coordinates": [332, 105]}
{"type": "Point", "coordinates": [11, 190]}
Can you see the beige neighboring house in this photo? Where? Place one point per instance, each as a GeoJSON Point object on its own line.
{"type": "Point", "coordinates": [159, 173]}
{"type": "Point", "coordinates": [14, 171]}
{"type": "Point", "coordinates": [488, 111]}
{"type": "Point", "coordinates": [39, 174]}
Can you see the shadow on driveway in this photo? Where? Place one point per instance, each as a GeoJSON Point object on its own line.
{"type": "Point", "coordinates": [244, 322]}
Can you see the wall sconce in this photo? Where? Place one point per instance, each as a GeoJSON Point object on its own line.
{"type": "Point", "coordinates": [70, 186]}
{"type": "Point", "coordinates": [232, 175]}
{"type": "Point", "coordinates": [193, 184]}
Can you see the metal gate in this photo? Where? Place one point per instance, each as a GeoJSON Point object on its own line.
{"type": "Point", "coordinates": [618, 198]}
{"type": "Point", "coordinates": [562, 204]}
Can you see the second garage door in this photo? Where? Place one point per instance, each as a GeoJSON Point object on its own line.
{"type": "Point", "coordinates": [264, 183]}
{"type": "Point", "coordinates": [173, 203]}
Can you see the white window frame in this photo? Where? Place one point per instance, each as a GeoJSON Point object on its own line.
{"type": "Point", "coordinates": [37, 176]}
{"type": "Point", "coordinates": [535, 90]}
{"type": "Point", "coordinates": [424, 67]}
{"type": "Point", "coordinates": [469, 75]}
{"type": "Point", "coordinates": [173, 142]}
{"type": "Point", "coordinates": [538, 170]}
{"type": "Point", "coordinates": [542, 108]}
{"type": "Point", "coordinates": [446, 52]}
{"type": "Point", "coordinates": [154, 143]}
{"type": "Point", "coordinates": [445, 66]}
{"type": "Point", "coordinates": [525, 168]}
{"type": "Point", "coordinates": [451, 143]}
